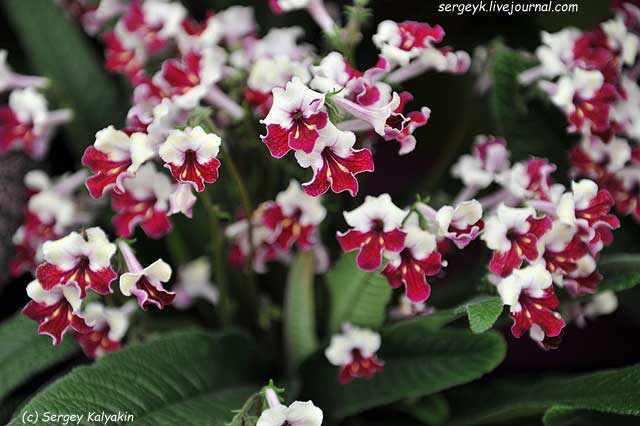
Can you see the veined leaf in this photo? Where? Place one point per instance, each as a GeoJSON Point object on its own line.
{"type": "Point", "coordinates": [357, 296]}
{"type": "Point", "coordinates": [24, 353]}
{"type": "Point", "coordinates": [484, 313]}
{"type": "Point", "coordinates": [58, 50]}
{"type": "Point", "coordinates": [619, 271]}
{"type": "Point", "coordinates": [432, 410]}
{"type": "Point", "coordinates": [299, 310]}
{"type": "Point", "coordinates": [611, 391]}
{"type": "Point", "coordinates": [190, 378]}
{"type": "Point", "coordinates": [417, 363]}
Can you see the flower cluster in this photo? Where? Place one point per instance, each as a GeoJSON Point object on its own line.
{"type": "Point", "coordinates": [26, 123]}
{"type": "Point", "coordinates": [292, 219]}
{"type": "Point", "coordinates": [409, 239]}
{"type": "Point", "coordinates": [592, 76]}
{"type": "Point", "coordinates": [539, 232]}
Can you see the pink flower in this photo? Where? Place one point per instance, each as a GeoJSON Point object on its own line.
{"type": "Point", "coordinates": [145, 283]}
{"type": "Point", "coordinates": [294, 120]}
{"type": "Point", "coordinates": [461, 224]}
{"type": "Point", "coordinates": [144, 202]}
{"type": "Point", "coordinates": [113, 157]}
{"type": "Point", "coordinates": [376, 227]}
{"type": "Point", "coordinates": [354, 351]}
{"type": "Point", "coordinates": [264, 249]}
{"type": "Point", "coordinates": [56, 310]}
{"type": "Point", "coordinates": [293, 217]}
{"type": "Point", "coordinates": [405, 41]}
{"type": "Point", "coordinates": [297, 414]}
{"type": "Point", "coordinates": [401, 127]}
{"type": "Point", "coordinates": [191, 156]}
{"type": "Point", "coordinates": [108, 327]}
{"type": "Point", "coordinates": [529, 293]}
{"type": "Point", "coordinates": [335, 163]}
{"type": "Point", "coordinates": [418, 259]}
{"type": "Point", "coordinates": [194, 282]}
{"type": "Point", "coordinates": [490, 157]}
{"type": "Point", "coordinates": [10, 80]}
{"type": "Point", "coordinates": [513, 234]}
{"type": "Point", "coordinates": [83, 259]}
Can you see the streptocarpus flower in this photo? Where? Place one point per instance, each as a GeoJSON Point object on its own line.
{"type": "Point", "coordinates": [418, 259]}
{"type": "Point", "coordinates": [108, 327]}
{"type": "Point", "coordinates": [26, 123]}
{"type": "Point", "coordinates": [81, 258]}
{"type": "Point", "coordinates": [513, 234]}
{"type": "Point", "coordinates": [145, 283]}
{"type": "Point", "coordinates": [191, 156]}
{"type": "Point", "coordinates": [10, 80]}
{"type": "Point", "coordinates": [113, 157]}
{"type": "Point", "coordinates": [529, 293]}
{"type": "Point", "coordinates": [194, 282]}
{"type": "Point", "coordinates": [354, 351]}
{"type": "Point", "coordinates": [144, 202]}
{"type": "Point", "coordinates": [490, 157]}
{"type": "Point", "coordinates": [56, 310]}
{"type": "Point", "coordinates": [461, 224]}
{"type": "Point", "coordinates": [335, 163]}
{"type": "Point", "coordinates": [293, 217]}
{"type": "Point", "coordinates": [376, 227]}
{"type": "Point", "coordinates": [294, 120]}
{"type": "Point", "coordinates": [405, 41]}
{"type": "Point", "coordinates": [297, 414]}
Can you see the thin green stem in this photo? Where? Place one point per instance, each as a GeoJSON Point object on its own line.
{"type": "Point", "coordinates": [217, 257]}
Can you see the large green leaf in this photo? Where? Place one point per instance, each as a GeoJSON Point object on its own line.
{"type": "Point", "coordinates": [59, 50]}
{"type": "Point", "coordinates": [432, 410]}
{"type": "Point", "coordinates": [611, 391]}
{"type": "Point", "coordinates": [357, 296]}
{"type": "Point", "coordinates": [189, 378]}
{"type": "Point", "coordinates": [417, 363]}
{"type": "Point", "coordinates": [24, 353]}
{"type": "Point", "coordinates": [619, 271]}
{"type": "Point", "coordinates": [299, 310]}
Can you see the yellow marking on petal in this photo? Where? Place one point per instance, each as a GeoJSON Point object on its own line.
{"type": "Point", "coordinates": [518, 250]}
{"type": "Point", "coordinates": [537, 306]}
{"type": "Point", "coordinates": [417, 268]}
{"type": "Point", "coordinates": [296, 135]}
{"type": "Point", "coordinates": [367, 241]}
{"type": "Point", "coordinates": [380, 240]}
{"type": "Point", "coordinates": [296, 229]}
{"type": "Point", "coordinates": [87, 278]}
{"type": "Point", "coordinates": [528, 314]}
{"type": "Point", "coordinates": [561, 258]}
{"type": "Point", "coordinates": [526, 240]}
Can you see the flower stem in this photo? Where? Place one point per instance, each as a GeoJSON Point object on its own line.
{"type": "Point", "coordinates": [217, 257]}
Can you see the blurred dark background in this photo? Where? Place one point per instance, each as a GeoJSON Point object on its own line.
{"type": "Point", "coordinates": [458, 114]}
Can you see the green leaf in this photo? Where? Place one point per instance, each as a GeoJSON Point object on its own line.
{"type": "Point", "coordinates": [417, 364]}
{"type": "Point", "coordinates": [299, 310]}
{"type": "Point", "coordinates": [357, 296]}
{"type": "Point", "coordinates": [619, 271]}
{"type": "Point", "coordinates": [24, 353]}
{"type": "Point", "coordinates": [190, 378]}
{"type": "Point", "coordinates": [483, 314]}
{"type": "Point", "coordinates": [563, 416]}
{"type": "Point", "coordinates": [58, 50]}
{"type": "Point", "coordinates": [610, 391]}
{"type": "Point", "coordinates": [432, 410]}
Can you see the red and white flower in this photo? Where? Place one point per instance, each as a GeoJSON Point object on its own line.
{"type": "Point", "coordinates": [513, 234]}
{"type": "Point", "coordinates": [529, 293]}
{"type": "Point", "coordinates": [144, 202]}
{"type": "Point", "coordinates": [264, 250]}
{"type": "Point", "coordinates": [295, 119]}
{"type": "Point", "coordinates": [335, 162]}
{"type": "Point", "coordinates": [193, 283]}
{"type": "Point", "coordinates": [108, 327]}
{"type": "Point", "coordinates": [82, 258]}
{"type": "Point", "coordinates": [10, 80]}
{"type": "Point", "coordinates": [27, 124]}
{"type": "Point", "coordinates": [354, 351]}
{"type": "Point", "coordinates": [490, 157]}
{"type": "Point", "coordinates": [114, 157]}
{"type": "Point", "coordinates": [182, 200]}
{"type": "Point", "coordinates": [418, 259]}
{"type": "Point", "coordinates": [293, 217]}
{"type": "Point", "coordinates": [376, 227]}
{"type": "Point", "coordinates": [461, 224]}
{"type": "Point", "coordinates": [405, 41]}
{"type": "Point", "coordinates": [297, 414]}
{"type": "Point", "coordinates": [191, 156]}
{"type": "Point", "coordinates": [56, 310]}
{"type": "Point", "coordinates": [145, 283]}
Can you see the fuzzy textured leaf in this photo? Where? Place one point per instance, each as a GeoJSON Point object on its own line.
{"type": "Point", "coordinates": [357, 296]}
{"type": "Point", "coordinates": [484, 313]}
{"type": "Point", "coordinates": [620, 271]}
{"type": "Point", "coordinates": [417, 364]}
{"type": "Point", "coordinates": [299, 310]}
{"type": "Point", "coordinates": [58, 50]}
{"type": "Point", "coordinates": [24, 353]}
{"type": "Point", "coordinates": [610, 391]}
{"type": "Point", "coordinates": [190, 378]}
